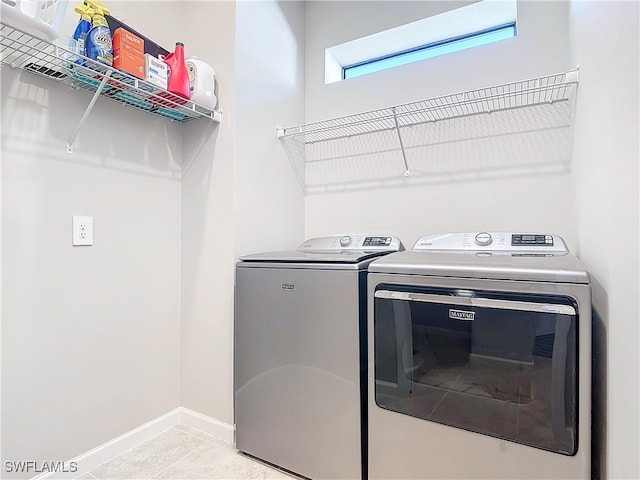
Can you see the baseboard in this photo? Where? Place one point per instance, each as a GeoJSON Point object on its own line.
{"type": "Point", "coordinates": [89, 460]}
{"type": "Point", "coordinates": [221, 430]}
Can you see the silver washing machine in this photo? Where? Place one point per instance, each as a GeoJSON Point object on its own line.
{"type": "Point", "coordinates": [300, 355]}
{"type": "Point", "coordinates": [480, 359]}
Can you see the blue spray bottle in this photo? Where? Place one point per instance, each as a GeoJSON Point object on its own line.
{"type": "Point", "coordinates": [82, 29]}
{"type": "Point", "coordinates": [98, 42]}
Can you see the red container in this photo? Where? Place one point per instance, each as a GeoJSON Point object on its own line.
{"type": "Point", "coordinates": [178, 82]}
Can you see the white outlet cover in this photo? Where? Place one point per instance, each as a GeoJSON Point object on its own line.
{"type": "Point", "coordinates": [82, 230]}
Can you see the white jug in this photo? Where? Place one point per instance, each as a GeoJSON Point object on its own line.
{"type": "Point", "coordinates": [201, 82]}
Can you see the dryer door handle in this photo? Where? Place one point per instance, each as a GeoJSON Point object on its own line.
{"type": "Point", "coordinates": [479, 302]}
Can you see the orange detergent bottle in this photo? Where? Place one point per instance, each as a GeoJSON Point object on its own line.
{"type": "Point", "coordinates": [178, 81]}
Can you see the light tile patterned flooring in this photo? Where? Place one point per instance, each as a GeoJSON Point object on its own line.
{"type": "Point", "coordinates": [183, 453]}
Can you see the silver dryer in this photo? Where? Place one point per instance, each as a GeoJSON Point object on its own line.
{"type": "Point", "coordinates": [480, 359]}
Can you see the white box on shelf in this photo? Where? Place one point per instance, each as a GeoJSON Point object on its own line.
{"type": "Point", "coordinates": [155, 71]}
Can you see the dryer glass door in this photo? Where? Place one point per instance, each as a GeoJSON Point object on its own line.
{"type": "Point", "coordinates": [502, 364]}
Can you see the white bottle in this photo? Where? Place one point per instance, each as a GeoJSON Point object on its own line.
{"type": "Point", "coordinates": [201, 82]}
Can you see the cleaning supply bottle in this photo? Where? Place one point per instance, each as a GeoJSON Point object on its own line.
{"type": "Point", "coordinates": [178, 81]}
{"type": "Point", "coordinates": [82, 29]}
{"type": "Point", "coordinates": [98, 41]}
{"type": "Point", "coordinates": [201, 82]}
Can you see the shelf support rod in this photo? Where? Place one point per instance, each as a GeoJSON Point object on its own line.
{"type": "Point", "coordinates": [404, 155]}
{"type": "Point", "coordinates": [97, 93]}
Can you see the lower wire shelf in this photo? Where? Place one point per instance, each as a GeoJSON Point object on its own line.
{"type": "Point", "coordinates": [369, 146]}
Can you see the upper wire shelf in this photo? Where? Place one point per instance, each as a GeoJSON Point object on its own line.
{"type": "Point", "coordinates": [333, 150]}
{"type": "Point", "coordinates": [22, 50]}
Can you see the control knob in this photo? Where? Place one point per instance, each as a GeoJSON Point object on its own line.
{"type": "Point", "coordinates": [345, 241]}
{"type": "Point", "coordinates": [483, 239]}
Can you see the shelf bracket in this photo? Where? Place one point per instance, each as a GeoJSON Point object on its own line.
{"type": "Point", "coordinates": [404, 155]}
{"type": "Point", "coordinates": [74, 135]}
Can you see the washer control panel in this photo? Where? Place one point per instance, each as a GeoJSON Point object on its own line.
{"type": "Point", "coordinates": [529, 239]}
{"type": "Point", "coordinates": [483, 239]}
{"type": "Point", "coordinates": [496, 242]}
{"type": "Point", "coordinates": [336, 243]}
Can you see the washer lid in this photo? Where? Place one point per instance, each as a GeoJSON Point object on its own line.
{"type": "Point", "coordinates": [295, 256]}
{"type": "Point", "coordinates": [555, 268]}
{"type": "Point", "coordinates": [347, 248]}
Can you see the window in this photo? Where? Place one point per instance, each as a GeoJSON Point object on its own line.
{"type": "Point", "coordinates": [467, 27]}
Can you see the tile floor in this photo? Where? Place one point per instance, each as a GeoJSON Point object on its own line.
{"type": "Point", "coordinates": [183, 453]}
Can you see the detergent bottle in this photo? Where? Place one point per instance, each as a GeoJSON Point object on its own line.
{"type": "Point", "coordinates": [98, 41]}
{"type": "Point", "coordinates": [201, 82]}
{"type": "Point", "coordinates": [178, 81]}
{"type": "Point", "coordinates": [82, 29]}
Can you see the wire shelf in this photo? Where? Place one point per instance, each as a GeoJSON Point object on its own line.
{"type": "Point", "coordinates": [19, 49]}
{"type": "Point", "coordinates": [413, 128]}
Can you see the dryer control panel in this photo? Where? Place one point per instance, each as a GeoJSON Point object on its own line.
{"type": "Point", "coordinates": [349, 242]}
{"type": "Point", "coordinates": [494, 242]}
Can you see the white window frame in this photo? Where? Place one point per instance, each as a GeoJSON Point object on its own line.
{"type": "Point", "coordinates": [459, 23]}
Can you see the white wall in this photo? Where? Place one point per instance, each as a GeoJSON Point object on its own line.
{"type": "Point", "coordinates": [605, 175]}
{"type": "Point", "coordinates": [443, 202]}
{"type": "Point", "coordinates": [207, 229]}
{"type": "Point", "coordinates": [99, 340]}
{"type": "Point", "coordinates": [239, 193]}
{"type": "Point", "coordinates": [90, 335]}
{"type": "Point", "coordinates": [269, 205]}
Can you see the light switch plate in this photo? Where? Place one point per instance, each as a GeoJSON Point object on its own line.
{"type": "Point", "coordinates": [82, 230]}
